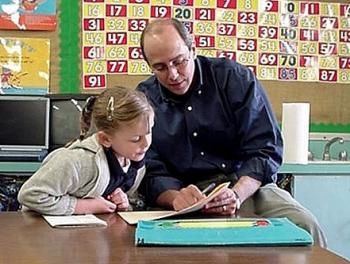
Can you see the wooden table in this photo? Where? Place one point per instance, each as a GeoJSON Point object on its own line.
{"type": "Point", "coordinates": [27, 238]}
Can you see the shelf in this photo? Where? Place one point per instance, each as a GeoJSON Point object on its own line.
{"type": "Point", "coordinates": [321, 167]}
{"type": "Point", "coordinates": [21, 167]}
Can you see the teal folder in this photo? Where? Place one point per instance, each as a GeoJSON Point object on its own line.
{"type": "Point", "coordinates": [221, 231]}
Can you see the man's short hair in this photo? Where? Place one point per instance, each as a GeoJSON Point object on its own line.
{"type": "Point", "coordinates": [178, 25]}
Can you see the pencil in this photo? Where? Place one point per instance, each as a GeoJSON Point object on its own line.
{"type": "Point", "coordinates": [209, 188]}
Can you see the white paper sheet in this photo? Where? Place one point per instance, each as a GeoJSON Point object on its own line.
{"type": "Point", "coordinates": [71, 221]}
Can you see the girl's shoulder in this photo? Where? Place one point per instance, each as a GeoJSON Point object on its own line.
{"type": "Point", "coordinates": [70, 156]}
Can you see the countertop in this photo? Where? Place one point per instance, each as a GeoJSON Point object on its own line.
{"type": "Point", "coordinates": [317, 168]}
{"type": "Point", "coordinates": [311, 168]}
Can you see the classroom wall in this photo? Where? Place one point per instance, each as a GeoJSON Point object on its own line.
{"type": "Point", "coordinates": [329, 102]}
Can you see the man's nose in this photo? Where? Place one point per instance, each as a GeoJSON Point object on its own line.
{"type": "Point", "coordinates": [173, 72]}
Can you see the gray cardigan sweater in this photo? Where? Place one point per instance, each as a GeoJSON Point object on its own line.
{"type": "Point", "coordinates": [66, 174]}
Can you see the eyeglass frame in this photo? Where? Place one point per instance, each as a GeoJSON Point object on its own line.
{"type": "Point", "coordinates": [178, 65]}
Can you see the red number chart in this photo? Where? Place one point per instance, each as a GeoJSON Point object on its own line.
{"type": "Point", "coordinates": [278, 40]}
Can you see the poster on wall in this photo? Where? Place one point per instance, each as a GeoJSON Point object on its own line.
{"type": "Point", "coordinates": [28, 14]}
{"type": "Point", "coordinates": [24, 66]}
{"type": "Point", "coordinates": [278, 40]}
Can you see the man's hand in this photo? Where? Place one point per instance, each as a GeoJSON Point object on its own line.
{"type": "Point", "coordinates": [98, 205]}
{"type": "Point", "coordinates": [187, 197]}
{"type": "Point", "coordinates": [120, 199]}
{"type": "Point", "coordinates": [224, 204]}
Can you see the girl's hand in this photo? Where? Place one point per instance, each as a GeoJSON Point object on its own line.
{"type": "Point", "coordinates": [120, 199]}
{"type": "Point", "coordinates": [98, 205]}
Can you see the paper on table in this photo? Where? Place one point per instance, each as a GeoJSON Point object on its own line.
{"type": "Point", "coordinates": [71, 221]}
{"type": "Point", "coordinates": [133, 217]}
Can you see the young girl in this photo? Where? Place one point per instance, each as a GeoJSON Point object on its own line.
{"type": "Point", "coordinates": [96, 174]}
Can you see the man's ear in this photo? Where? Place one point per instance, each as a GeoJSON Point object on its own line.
{"type": "Point", "coordinates": [193, 49]}
{"type": "Point", "coordinates": [104, 139]}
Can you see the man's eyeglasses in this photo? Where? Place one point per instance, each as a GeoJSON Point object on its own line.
{"type": "Point", "coordinates": [179, 63]}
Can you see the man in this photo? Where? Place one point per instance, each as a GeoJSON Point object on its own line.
{"type": "Point", "coordinates": [213, 124]}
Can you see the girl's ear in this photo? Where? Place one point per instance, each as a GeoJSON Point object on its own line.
{"type": "Point", "coordinates": [104, 139]}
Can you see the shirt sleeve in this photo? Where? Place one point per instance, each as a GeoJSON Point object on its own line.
{"type": "Point", "coordinates": [157, 179]}
{"type": "Point", "coordinates": [47, 191]}
{"type": "Point", "coordinates": [258, 131]}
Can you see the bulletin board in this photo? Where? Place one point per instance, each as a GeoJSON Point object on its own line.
{"type": "Point", "coordinates": [64, 54]}
{"type": "Point", "coordinates": [329, 100]}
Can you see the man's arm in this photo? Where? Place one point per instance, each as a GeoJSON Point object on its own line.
{"type": "Point", "coordinates": [158, 181]}
{"type": "Point", "coordinates": [258, 132]}
{"type": "Point", "coordinates": [246, 187]}
{"type": "Point", "coordinates": [260, 139]}
{"type": "Point", "coordinates": [166, 198]}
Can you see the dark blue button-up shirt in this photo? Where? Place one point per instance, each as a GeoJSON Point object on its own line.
{"type": "Point", "coordinates": [224, 124]}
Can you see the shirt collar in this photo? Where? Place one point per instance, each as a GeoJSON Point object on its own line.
{"type": "Point", "coordinates": [200, 71]}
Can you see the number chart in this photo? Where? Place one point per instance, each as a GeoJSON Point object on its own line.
{"type": "Point", "coordinates": [278, 40]}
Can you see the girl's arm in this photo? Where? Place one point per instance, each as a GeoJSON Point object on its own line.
{"type": "Point", "coordinates": [56, 187]}
{"type": "Point", "coordinates": [97, 205]}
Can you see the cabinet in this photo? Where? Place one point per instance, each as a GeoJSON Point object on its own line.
{"type": "Point", "coordinates": [12, 176]}
{"type": "Point", "coordinates": [327, 196]}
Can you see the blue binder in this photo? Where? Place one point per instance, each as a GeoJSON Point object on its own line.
{"type": "Point", "coordinates": [221, 231]}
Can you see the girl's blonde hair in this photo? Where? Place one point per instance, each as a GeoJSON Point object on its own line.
{"type": "Point", "coordinates": [113, 108]}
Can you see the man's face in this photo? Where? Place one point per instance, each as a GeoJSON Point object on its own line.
{"type": "Point", "coordinates": [170, 59]}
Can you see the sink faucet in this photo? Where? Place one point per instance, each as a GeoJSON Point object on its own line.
{"type": "Point", "coordinates": [343, 155]}
{"type": "Point", "coordinates": [327, 146]}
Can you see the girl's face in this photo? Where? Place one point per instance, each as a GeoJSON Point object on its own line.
{"type": "Point", "coordinates": [133, 139]}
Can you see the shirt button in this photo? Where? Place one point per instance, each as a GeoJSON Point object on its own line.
{"type": "Point", "coordinates": [200, 92]}
{"type": "Point", "coordinates": [189, 108]}
{"type": "Point", "coordinates": [223, 165]}
{"type": "Point", "coordinates": [202, 153]}
{"type": "Point", "coordinates": [195, 134]}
